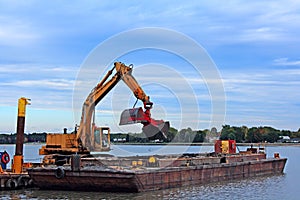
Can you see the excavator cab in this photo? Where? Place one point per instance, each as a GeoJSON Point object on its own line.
{"type": "Point", "coordinates": [153, 129]}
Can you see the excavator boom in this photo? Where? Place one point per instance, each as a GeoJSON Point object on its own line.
{"type": "Point", "coordinates": [153, 129]}
{"type": "Point", "coordinates": [91, 138]}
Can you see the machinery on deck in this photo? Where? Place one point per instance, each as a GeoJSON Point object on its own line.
{"type": "Point", "coordinates": [85, 140]}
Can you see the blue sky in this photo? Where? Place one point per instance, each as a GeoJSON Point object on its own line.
{"type": "Point", "coordinates": [254, 45]}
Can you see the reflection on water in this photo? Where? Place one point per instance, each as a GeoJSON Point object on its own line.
{"type": "Point", "coordinates": [256, 188]}
{"type": "Point", "coordinates": [270, 187]}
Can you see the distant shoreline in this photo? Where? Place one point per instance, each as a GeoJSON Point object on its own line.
{"type": "Point", "coordinates": [183, 144]}
{"type": "Point", "coordinates": [211, 144]}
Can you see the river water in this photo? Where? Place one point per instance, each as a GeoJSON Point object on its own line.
{"type": "Point", "coordinates": [284, 186]}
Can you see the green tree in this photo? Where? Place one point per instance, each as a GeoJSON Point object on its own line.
{"type": "Point", "coordinates": [286, 133]}
{"type": "Point", "coordinates": [199, 136]}
{"type": "Point", "coordinates": [254, 135]}
{"type": "Point", "coordinates": [270, 134]}
{"type": "Point", "coordinates": [225, 132]}
{"type": "Point", "coordinates": [186, 135]}
{"type": "Point", "coordinates": [239, 134]}
{"type": "Point", "coordinates": [171, 134]}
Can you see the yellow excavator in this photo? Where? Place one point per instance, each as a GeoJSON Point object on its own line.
{"type": "Point", "coordinates": [91, 138]}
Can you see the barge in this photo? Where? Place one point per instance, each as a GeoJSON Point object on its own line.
{"type": "Point", "coordinates": [148, 173]}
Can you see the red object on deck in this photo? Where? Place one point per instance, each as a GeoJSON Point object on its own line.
{"type": "Point", "coordinates": [225, 146]}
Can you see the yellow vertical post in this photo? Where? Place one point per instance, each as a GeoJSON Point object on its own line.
{"type": "Point", "coordinates": [18, 157]}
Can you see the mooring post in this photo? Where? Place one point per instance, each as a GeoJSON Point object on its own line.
{"type": "Point", "coordinates": [18, 157]}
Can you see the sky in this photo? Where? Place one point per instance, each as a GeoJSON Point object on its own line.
{"type": "Point", "coordinates": [254, 46]}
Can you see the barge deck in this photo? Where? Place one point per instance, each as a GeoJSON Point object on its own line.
{"type": "Point", "coordinates": [138, 174]}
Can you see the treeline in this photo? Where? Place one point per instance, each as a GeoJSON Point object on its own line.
{"type": "Point", "coordinates": [239, 133]}
{"type": "Point", "coordinates": [183, 136]}
{"type": "Point", "coordinates": [33, 137]}
{"type": "Point", "coordinates": [255, 134]}
{"type": "Point", "coordinates": [242, 134]}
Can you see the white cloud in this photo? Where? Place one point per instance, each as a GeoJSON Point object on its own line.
{"type": "Point", "coordinates": [58, 84]}
{"type": "Point", "coordinates": [35, 70]}
{"type": "Point", "coordinates": [286, 62]}
{"type": "Point", "coordinates": [261, 34]}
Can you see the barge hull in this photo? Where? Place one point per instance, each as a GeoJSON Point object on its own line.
{"type": "Point", "coordinates": [112, 180]}
{"type": "Point", "coordinates": [197, 175]}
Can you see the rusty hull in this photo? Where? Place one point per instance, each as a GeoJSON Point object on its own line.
{"type": "Point", "coordinates": [118, 175]}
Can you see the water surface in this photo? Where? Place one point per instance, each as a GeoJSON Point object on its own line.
{"type": "Point", "coordinates": [284, 186]}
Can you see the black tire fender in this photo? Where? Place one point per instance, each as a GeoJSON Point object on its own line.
{"type": "Point", "coordinates": [11, 183]}
{"type": "Point", "coordinates": [22, 182]}
{"type": "Point", "coordinates": [30, 183]}
{"type": "Point", "coordinates": [60, 173]}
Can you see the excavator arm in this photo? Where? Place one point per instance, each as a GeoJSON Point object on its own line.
{"type": "Point", "coordinates": [85, 134]}
{"type": "Point", "coordinates": [153, 129]}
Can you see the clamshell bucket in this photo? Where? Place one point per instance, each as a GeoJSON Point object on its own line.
{"type": "Point", "coordinates": [132, 116]}
{"type": "Point", "coordinates": [157, 129]}
{"type": "Point", "coordinates": [153, 129]}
